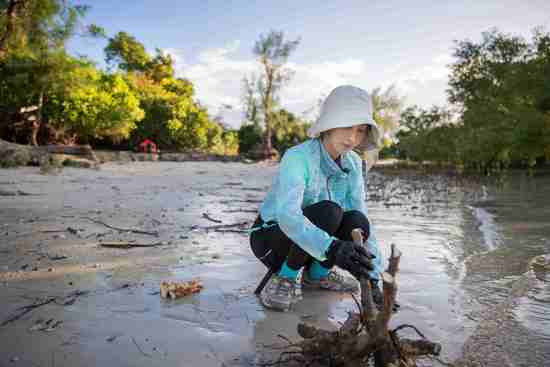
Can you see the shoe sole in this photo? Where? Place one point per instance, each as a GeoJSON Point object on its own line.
{"type": "Point", "coordinates": [314, 286]}
{"type": "Point", "coordinates": [275, 305]}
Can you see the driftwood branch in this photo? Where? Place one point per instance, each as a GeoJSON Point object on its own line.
{"type": "Point", "coordinates": [364, 334]}
{"type": "Point", "coordinates": [368, 312]}
{"type": "Point", "coordinates": [393, 261]}
{"type": "Point", "coordinates": [387, 354]}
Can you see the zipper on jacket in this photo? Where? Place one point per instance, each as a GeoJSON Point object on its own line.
{"type": "Point", "coordinates": [328, 187]}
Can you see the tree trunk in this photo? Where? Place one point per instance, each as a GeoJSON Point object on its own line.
{"type": "Point", "coordinates": [267, 104]}
{"type": "Point", "coordinates": [267, 142]}
{"type": "Point", "coordinates": [35, 128]}
{"type": "Point", "coordinates": [11, 15]}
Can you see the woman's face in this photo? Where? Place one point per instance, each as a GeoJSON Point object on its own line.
{"type": "Point", "coordinates": [343, 139]}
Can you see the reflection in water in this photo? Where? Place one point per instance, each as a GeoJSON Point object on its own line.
{"type": "Point", "coordinates": [467, 246]}
{"type": "Point", "coordinates": [522, 210]}
{"type": "Point", "coordinates": [533, 308]}
{"type": "Point", "coordinates": [488, 228]}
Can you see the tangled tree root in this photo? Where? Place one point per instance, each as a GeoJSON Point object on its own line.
{"type": "Point", "coordinates": [363, 334]}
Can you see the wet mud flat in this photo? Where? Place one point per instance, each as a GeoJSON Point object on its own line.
{"type": "Point", "coordinates": [67, 299]}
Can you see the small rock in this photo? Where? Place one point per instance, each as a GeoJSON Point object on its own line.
{"type": "Point", "coordinates": [216, 256]}
{"type": "Point", "coordinates": [14, 359]}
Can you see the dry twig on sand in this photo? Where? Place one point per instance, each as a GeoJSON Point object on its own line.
{"type": "Point", "coordinates": [226, 226]}
{"type": "Point", "coordinates": [127, 245]}
{"type": "Point", "coordinates": [138, 231]}
{"type": "Point", "coordinates": [206, 216]}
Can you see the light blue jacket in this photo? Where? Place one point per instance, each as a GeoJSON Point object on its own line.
{"type": "Point", "coordinates": [307, 175]}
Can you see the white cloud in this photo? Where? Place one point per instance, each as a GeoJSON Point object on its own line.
{"type": "Point", "coordinates": [426, 85]}
{"type": "Point", "coordinates": [217, 75]}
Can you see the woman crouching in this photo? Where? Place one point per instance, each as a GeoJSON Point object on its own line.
{"type": "Point", "coordinates": [316, 200]}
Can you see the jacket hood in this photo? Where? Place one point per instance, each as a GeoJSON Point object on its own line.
{"type": "Point", "coordinates": [348, 106]}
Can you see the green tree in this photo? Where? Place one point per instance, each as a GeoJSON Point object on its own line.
{"type": "Point", "coordinates": [160, 67]}
{"type": "Point", "coordinates": [288, 130]}
{"type": "Point", "coordinates": [249, 135]}
{"type": "Point", "coordinates": [501, 85]}
{"type": "Point", "coordinates": [166, 105]}
{"type": "Point", "coordinates": [427, 134]}
{"type": "Point", "coordinates": [127, 53]}
{"type": "Point", "coordinates": [32, 56]}
{"type": "Point", "coordinates": [38, 24]}
{"type": "Point", "coordinates": [250, 100]}
{"type": "Point", "coordinates": [172, 118]}
{"type": "Point", "coordinates": [272, 52]}
{"type": "Point", "coordinates": [102, 105]}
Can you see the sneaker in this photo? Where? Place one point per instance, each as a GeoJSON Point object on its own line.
{"type": "Point", "coordinates": [280, 293]}
{"type": "Point", "coordinates": [332, 282]}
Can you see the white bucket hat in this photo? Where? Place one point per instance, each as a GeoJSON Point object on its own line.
{"type": "Point", "coordinates": [348, 106]}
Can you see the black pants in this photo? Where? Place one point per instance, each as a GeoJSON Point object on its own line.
{"type": "Point", "coordinates": [273, 247]}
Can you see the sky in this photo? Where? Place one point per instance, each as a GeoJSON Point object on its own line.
{"type": "Point", "coordinates": [365, 43]}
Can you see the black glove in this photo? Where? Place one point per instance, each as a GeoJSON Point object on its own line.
{"type": "Point", "coordinates": [351, 257]}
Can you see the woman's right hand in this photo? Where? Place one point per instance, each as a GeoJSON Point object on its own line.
{"type": "Point", "coordinates": [351, 257]}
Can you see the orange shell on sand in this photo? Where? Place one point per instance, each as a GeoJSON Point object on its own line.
{"type": "Point", "coordinates": [179, 289]}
